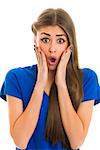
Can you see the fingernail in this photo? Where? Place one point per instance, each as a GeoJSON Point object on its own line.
{"type": "Point", "coordinates": [71, 47]}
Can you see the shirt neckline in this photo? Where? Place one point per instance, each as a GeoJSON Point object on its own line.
{"type": "Point", "coordinates": [46, 94]}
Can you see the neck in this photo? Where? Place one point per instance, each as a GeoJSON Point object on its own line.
{"type": "Point", "coordinates": [51, 75]}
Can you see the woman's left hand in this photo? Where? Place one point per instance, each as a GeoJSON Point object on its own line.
{"type": "Point", "coordinates": [62, 66]}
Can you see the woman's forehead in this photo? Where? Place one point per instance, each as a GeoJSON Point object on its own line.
{"type": "Point", "coordinates": [51, 29]}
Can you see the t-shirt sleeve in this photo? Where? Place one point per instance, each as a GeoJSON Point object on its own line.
{"type": "Point", "coordinates": [91, 88]}
{"type": "Point", "coordinates": [11, 86]}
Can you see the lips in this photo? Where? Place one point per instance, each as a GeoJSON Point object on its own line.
{"type": "Point", "coordinates": [52, 60]}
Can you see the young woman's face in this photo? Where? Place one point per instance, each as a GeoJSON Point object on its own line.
{"type": "Point", "coordinates": [53, 41]}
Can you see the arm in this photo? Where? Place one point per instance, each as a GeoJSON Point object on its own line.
{"type": "Point", "coordinates": [23, 123]}
{"type": "Point", "coordinates": [75, 124]}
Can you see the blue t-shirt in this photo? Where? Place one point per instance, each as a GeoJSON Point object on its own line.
{"type": "Point", "coordinates": [20, 82]}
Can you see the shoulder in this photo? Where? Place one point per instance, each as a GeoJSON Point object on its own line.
{"type": "Point", "coordinates": [91, 88]}
{"type": "Point", "coordinates": [18, 81]}
{"type": "Point", "coordinates": [21, 72]}
{"type": "Point", "coordinates": [89, 74]}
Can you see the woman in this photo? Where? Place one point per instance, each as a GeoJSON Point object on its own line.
{"type": "Point", "coordinates": [50, 103]}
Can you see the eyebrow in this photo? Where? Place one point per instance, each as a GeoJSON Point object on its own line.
{"type": "Point", "coordinates": [56, 35]}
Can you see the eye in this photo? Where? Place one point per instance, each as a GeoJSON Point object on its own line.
{"type": "Point", "coordinates": [60, 41]}
{"type": "Point", "coordinates": [45, 40]}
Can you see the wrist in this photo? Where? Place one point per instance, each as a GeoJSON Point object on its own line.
{"type": "Point", "coordinates": [39, 85]}
{"type": "Point", "coordinates": [61, 84]}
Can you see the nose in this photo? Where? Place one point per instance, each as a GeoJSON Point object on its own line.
{"type": "Point", "coordinates": [53, 47]}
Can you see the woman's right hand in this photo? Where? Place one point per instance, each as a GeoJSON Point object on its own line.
{"type": "Point", "coordinates": [42, 66]}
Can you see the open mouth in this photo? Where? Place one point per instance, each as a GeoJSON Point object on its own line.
{"type": "Point", "coordinates": [52, 60]}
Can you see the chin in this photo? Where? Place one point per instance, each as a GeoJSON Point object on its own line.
{"type": "Point", "coordinates": [52, 68]}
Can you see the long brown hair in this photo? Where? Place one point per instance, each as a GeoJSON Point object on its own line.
{"type": "Point", "coordinates": [54, 129]}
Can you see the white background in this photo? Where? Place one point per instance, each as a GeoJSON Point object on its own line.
{"type": "Point", "coordinates": [16, 49]}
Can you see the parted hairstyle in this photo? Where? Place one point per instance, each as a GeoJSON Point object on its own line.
{"type": "Point", "coordinates": [54, 129]}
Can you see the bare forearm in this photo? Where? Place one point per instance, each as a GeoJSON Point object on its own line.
{"type": "Point", "coordinates": [72, 124]}
{"type": "Point", "coordinates": [26, 123]}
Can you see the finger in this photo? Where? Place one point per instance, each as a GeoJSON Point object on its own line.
{"type": "Point", "coordinates": [39, 49]}
{"type": "Point", "coordinates": [38, 55]}
{"type": "Point", "coordinates": [36, 52]}
{"type": "Point", "coordinates": [66, 55]}
{"type": "Point", "coordinates": [43, 57]}
{"type": "Point", "coordinates": [70, 48]}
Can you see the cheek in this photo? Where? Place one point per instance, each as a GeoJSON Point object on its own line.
{"type": "Point", "coordinates": [62, 48]}
{"type": "Point", "coordinates": [44, 47]}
